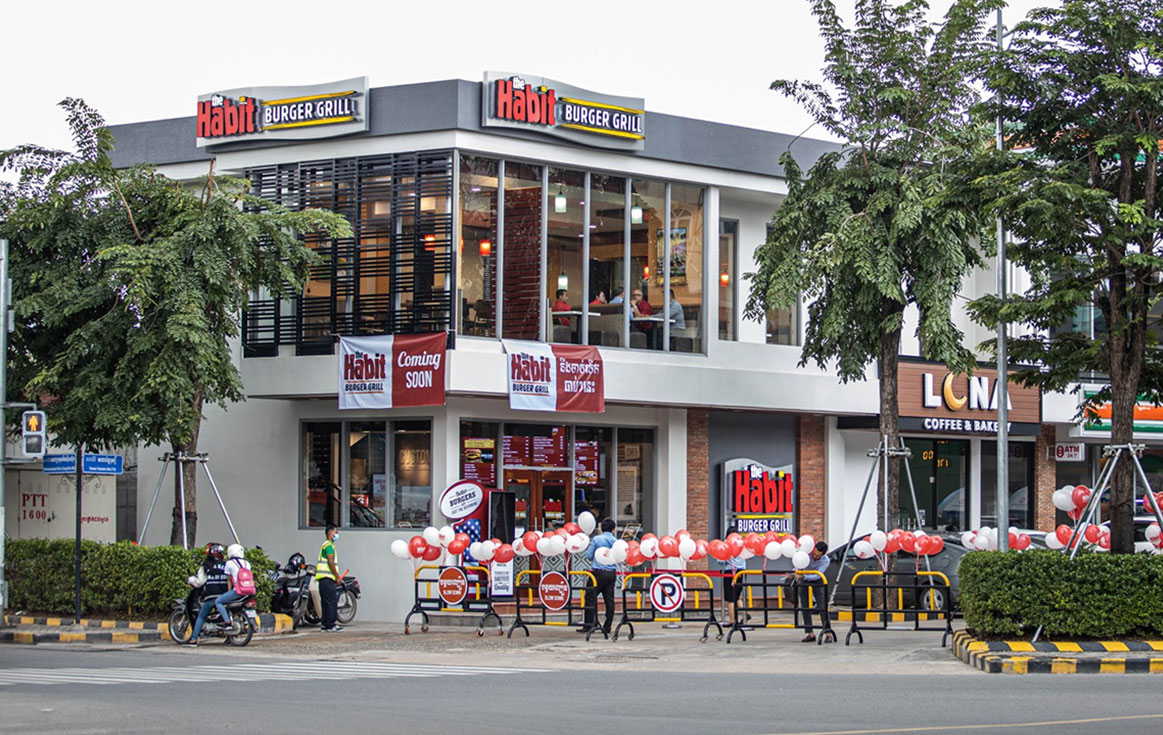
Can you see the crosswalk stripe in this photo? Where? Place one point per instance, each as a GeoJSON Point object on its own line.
{"type": "Point", "coordinates": [281, 671]}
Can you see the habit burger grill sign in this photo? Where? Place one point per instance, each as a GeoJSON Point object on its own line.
{"type": "Point", "coordinates": [554, 108]}
{"type": "Point", "coordinates": [932, 399]}
{"type": "Point", "coordinates": [758, 498]}
{"type": "Point", "coordinates": [264, 113]}
{"type": "Point", "coordinates": [389, 371]}
{"type": "Point", "coordinates": [555, 377]}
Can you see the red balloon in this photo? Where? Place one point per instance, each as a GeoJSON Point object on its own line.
{"type": "Point", "coordinates": [1075, 514]}
{"type": "Point", "coordinates": [921, 545]}
{"type": "Point", "coordinates": [456, 547]}
{"type": "Point", "coordinates": [1080, 495]}
{"type": "Point", "coordinates": [1063, 533]}
{"type": "Point", "coordinates": [892, 544]}
{"type": "Point", "coordinates": [719, 550]}
{"type": "Point", "coordinates": [936, 544]}
{"type": "Point", "coordinates": [530, 541]}
{"type": "Point", "coordinates": [701, 548]}
{"type": "Point", "coordinates": [1023, 542]}
{"type": "Point", "coordinates": [668, 546]}
{"type": "Point", "coordinates": [1104, 540]}
{"type": "Point", "coordinates": [417, 546]}
{"type": "Point", "coordinates": [682, 533]}
{"type": "Point", "coordinates": [735, 544]}
{"type": "Point", "coordinates": [504, 554]}
{"type": "Point", "coordinates": [634, 557]}
{"type": "Point", "coordinates": [432, 553]}
{"type": "Point", "coordinates": [769, 537]}
{"type": "Point", "coordinates": [907, 541]}
{"type": "Point", "coordinates": [1092, 533]}
{"type": "Point", "coordinates": [648, 536]}
{"type": "Point", "coordinates": [754, 543]}
{"type": "Point", "coordinates": [572, 528]}
{"type": "Point", "coordinates": [1013, 539]}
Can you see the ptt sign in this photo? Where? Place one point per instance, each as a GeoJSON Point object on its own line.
{"type": "Point", "coordinates": [758, 498]}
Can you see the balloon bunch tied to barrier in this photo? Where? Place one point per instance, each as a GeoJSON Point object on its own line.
{"type": "Point", "coordinates": [912, 542]}
{"type": "Point", "coordinates": [447, 546]}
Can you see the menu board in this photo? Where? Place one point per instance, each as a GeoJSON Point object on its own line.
{"type": "Point", "coordinates": [515, 450]}
{"type": "Point", "coordinates": [585, 457]}
{"type": "Point", "coordinates": [549, 451]}
{"type": "Point", "coordinates": [479, 460]}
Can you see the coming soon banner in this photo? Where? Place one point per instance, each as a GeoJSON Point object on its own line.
{"type": "Point", "coordinates": [388, 371]}
{"type": "Point", "coordinates": [546, 377]}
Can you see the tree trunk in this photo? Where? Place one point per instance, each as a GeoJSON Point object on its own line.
{"type": "Point", "coordinates": [889, 426]}
{"type": "Point", "coordinates": [188, 474]}
{"type": "Point", "coordinates": [1124, 395]}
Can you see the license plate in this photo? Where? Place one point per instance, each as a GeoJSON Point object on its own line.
{"type": "Point", "coordinates": [251, 614]}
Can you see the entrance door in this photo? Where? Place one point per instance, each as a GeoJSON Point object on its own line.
{"type": "Point", "coordinates": [544, 498]}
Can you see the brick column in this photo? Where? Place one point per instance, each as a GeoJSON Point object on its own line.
{"type": "Point", "coordinates": [1045, 470]}
{"type": "Point", "coordinates": [697, 478]}
{"type": "Point", "coordinates": [811, 471]}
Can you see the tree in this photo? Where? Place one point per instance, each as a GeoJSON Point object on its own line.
{"type": "Point", "coordinates": [1078, 188]}
{"type": "Point", "coordinates": [129, 287]}
{"type": "Point", "coordinates": [882, 224]}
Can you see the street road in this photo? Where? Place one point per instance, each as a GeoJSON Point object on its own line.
{"type": "Point", "coordinates": [79, 689]}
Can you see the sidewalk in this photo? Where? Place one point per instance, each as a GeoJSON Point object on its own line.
{"type": "Point", "coordinates": [30, 630]}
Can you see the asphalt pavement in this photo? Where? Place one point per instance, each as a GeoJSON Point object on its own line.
{"type": "Point", "coordinates": [373, 679]}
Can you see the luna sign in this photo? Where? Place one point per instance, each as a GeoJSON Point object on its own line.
{"type": "Point", "coordinates": [758, 498]}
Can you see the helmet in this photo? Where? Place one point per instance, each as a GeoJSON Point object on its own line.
{"type": "Point", "coordinates": [297, 561]}
{"type": "Point", "coordinates": [235, 551]}
{"type": "Point", "coordinates": [214, 550]}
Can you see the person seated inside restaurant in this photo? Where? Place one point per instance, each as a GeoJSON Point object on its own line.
{"type": "Point", "coordinates": [677, 320]}
{"type": "Point", "coordinates": [619, 294]}
{"type": "Point", "coordinates": [599, 298]}
{"type": "Point", "coordinates": [640, 307]}
{"type": "Point", "coordinates": [562, 305]}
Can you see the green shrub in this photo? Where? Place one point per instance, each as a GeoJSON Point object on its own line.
{"type": "Point", "coordinates": [120, 580]}
{"type": "Point", "coordinates": [1091, 596]}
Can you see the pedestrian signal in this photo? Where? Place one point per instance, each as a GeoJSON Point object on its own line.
{"type": "Point", "coordinates": [32, 439]}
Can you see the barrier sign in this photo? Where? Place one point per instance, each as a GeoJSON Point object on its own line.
{"type": "Point", "coordinates": [666, 593]}
{"type": "Point", "coordinates": [453, 586]}
{"type": "Point", "coordinates": [554, 590]}
{"type": "Point", "coordinates": [502, 579]}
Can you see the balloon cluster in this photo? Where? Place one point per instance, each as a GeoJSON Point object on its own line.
{"type": "Point", "coordinates": [1072, 499]}
{"type": "Point", "coordinates": [986, 539]}
{"type": "Point", "coordinates": [912, 542]}
{"type": "Point", "coordinates": [770, 545]}
{"type": "Point", "coordinates": [434, 543]}
{"type": "Point", "coordinates": [1087, 532]}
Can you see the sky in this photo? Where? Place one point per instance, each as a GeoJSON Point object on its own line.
{"type": "Point", "coordinates": [136, 61]}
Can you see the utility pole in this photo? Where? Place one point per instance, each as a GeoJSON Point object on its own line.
{"type": "Point", "coordinates": [5, 298]}
{"type": "Point", "coordinates": [1003, 373]}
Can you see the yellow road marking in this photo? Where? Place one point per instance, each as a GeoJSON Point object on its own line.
{"type": "Point", "coordinates": [991, 726]}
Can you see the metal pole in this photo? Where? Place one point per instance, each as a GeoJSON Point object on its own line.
{"type": "Point", "coordinates": [5, 298]}
{"type": "Point", "coordinates": [182, 495]}
{"type": "Point", "coordinates": [855, 523]}
{"type": "Point", "coordinates": [206, 466]}
{"type": "Point", "coordinates": [1147, 484]}
{"type": "Point", "coordinates": [165, 458]}
{"type": "Point", "coordinates": [77, 549]}
{"type": "Point", "coordinates": [1003, 429]}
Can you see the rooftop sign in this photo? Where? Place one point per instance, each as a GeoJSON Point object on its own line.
{"type": "Point", "coordinates": [283, 113]}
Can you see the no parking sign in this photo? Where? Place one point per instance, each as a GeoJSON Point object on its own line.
{"type": "Point", "coordinates": [666, 593]}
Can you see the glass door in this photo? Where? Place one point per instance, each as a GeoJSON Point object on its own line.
{"type": "Point", "coordinates": [542, 498]}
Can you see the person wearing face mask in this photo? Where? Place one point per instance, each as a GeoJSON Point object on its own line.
{"type": "Point", "coordinates": [326, 575]}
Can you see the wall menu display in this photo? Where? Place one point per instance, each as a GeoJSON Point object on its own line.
{"type": "Point", "coordinates": [586, 457]}
{"type": "Point", "coordinates": [549, 451]}
{"type": "Point", "coordinates": [479, 460]}
{"type": "Point", "coordinates": [515, 451]}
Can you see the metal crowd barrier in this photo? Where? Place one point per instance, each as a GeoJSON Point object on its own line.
{"type": "Point", "coordinates": [527, 596]}
{"type": "Point", "coordinates": [477, 600]}
{"type": "Point", "coordinates": [893, 590]}
{"type": "Point", "coordinates": [766, 596]}
{"type": "Point", "coordinates": [692, 609]}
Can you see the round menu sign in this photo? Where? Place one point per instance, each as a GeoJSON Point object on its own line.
{"type": "Point", "coordinates": [461, 499]}
{"type": "Point", "coordinates": [554, 590]}
{"type": "Point", "coordinates": [453, 586]}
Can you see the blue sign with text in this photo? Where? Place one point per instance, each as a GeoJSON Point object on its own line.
{"type": "Point", "coordinates": [91, 464]}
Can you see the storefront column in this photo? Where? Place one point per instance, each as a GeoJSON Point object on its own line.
{"type": "Point", "coordinates": [974, 483]}
{"type": "Point", "coordinates": [697, 474]}
{"type": "Point", "coordinates": [811, 466]}
{"type": "Point", "coordinates": [1045, 470]}
{"type": "Point", "coordinates": [670, 501]}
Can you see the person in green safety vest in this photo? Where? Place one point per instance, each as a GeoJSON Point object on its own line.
{"type": "Point", "coordinates": [326, 575]}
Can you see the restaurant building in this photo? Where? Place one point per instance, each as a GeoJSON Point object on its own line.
{"type": "Point", "coordinates": [519, 218]}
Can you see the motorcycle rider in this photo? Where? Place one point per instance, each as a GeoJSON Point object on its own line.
{"type": "Point", "coordinates": [212, 580]}
{"type": "Point", "coordinates": [235, 563]}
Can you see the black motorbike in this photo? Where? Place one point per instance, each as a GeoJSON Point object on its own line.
{"type": "Point", "coordinates": [292, 588]}
{"type": "Point", "coordinates": [243, 619]}
{"type": "Point", "coordinates": [348, 592]}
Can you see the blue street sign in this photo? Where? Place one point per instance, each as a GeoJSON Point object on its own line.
{"type": "Point", "coordinates": [91, 464]}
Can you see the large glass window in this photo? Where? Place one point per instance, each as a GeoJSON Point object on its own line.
{"type": "Point", "coordinates": [940, 471]}
{"type": "Point", "coordinates": [635, 478]}
{"type": "Point", "coordinates": [565, 201]}
{"type": "Point", "coordinates": [687, 279]}
{"type": "Point", "coordinates": [522, 252]}
{"type": "Point", "coordinates": [647, 205]}
{"type": "Point", "coordinates": [592, 461]}
{"type": "Point", "coordinates": [608, 298]}
{"type": "Point", "coordinates": [728, 236]}
{"type": "Point", "coordinates": [1021, 472]}
{"type": "Point", "coordinates": [477, 267]}
{"type": "Point", "coordinates": [348, 479]}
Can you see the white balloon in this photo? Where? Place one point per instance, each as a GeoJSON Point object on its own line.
{"type": "Point", "coordinates": [618, 550]}
{"type": "Point", "coordinates": [1153, 532]}
{"type": "Point", "coordinates": [556, 545]}
{"type": "Point", "coordinates": [573, 543]}
{"type": "Point", "coordinates": [432, 536]}
{"type": "Point", "coordinates": [807, 543]}
{"type": "Point", "coordinates": [587, 522]}
{"type": "Point", "coordinates": [863, 550]}
{"type": "Point", "coordinates": [801, 560]}
{"type": "Point", "coordinates": [474, 550]}
{"type": "Point", "coordinates": [686, 548]}
{"type": "Point", "coordinates": [773, 550]}
{"type": "Point", "coordinates": [787, 547]}
{"type": "Point", "coordinates": [878, 539]}
{"type": "Point", "coordinates": [967, 539]}
{"type": "Point", "coordinates": [1061, 498]}
{"type": "Point", "coordinates": [543, 545]}
{"type": "Point", "coordinates": [400, 549]}
{"type": "Point", "coordinates": [520, 549]}
{"type": "Point", "coordinates": [746, 553]}
{"type": "Point", "coordinates": [1052, 541]}
{"type": "Point", "coordinates": [487, 550]}
{"type": "Point", "coordinates": [649, 548]}
{"type": "Point", "coordinates": [982, 542]}
{"type": "Point", "coordinates": [603, 556]}
{"type": "Point", "coordinates": [446, 535]}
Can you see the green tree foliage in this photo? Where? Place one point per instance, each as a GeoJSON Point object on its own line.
{"type": "Point", "coordinates": [882, 224]}
{"type": "Point", "coordinates": [128, 289]}
{"type": "Point", "coordinates": [1078, 187]}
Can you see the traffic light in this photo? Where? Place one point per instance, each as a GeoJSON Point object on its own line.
{"type": "Point", "coordinates": [32, 433]}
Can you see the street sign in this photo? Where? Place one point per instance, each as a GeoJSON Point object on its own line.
{"type": "Point", "coordinates": [91, 464]}
{"type": "Point", "coordinates": [554, 590]}
{"type": "Point", "coordinates": [453, 586]}
{"type": "Point", "coordinates": [666, 593]}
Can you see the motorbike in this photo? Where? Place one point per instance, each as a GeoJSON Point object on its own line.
{"type": "Point", "coordinates": [348, 591]}
{"type": "Point", "coordinates": [292, 588]}
{"type": "Point", "coordinates": [243, 619]}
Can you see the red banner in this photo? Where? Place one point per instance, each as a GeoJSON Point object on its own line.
{"type": "Point", "coordinates": [390, 371]}
{"type": "Point", "coordinates": [555, 377]}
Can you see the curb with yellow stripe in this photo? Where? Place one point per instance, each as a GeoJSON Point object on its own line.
{"type": "Point", "coordinates": [998, 657]}
{"type": "Point", "coordinates": [114, 631]}
{"type": "Point", "coordinates": [846, 616]}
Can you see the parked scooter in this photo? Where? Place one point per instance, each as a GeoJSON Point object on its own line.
{"type": "Point", "coordinates": [243, 619]}
{"type": "Point", "coordinates": [349, 593]}
{"type": "Point", "coordinates": [292, 588]}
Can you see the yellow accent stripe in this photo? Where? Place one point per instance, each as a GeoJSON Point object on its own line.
{"type": "Point", "coordinates": [1024, 646]}
{"type": "Point", "coordinates": [1065, 647]}
{"type": "Point", "coordinates": [602, 105]}
{"type": "Point", "coordinates": [308, 123]}
{"type": "Point", "coordinates": [125, 638]}
{"type": "Point", "coordinates": [1156, 666]}
{"type": "Point", "coordinates": [1063, 666]}
{"type": "Point", "coordinates": [1113, 646]}
{"type": "Point", "coordinates": [108, 623]}
{"type": "Point", "coordinates": [754, 516]}
{"type": "Point", "coordinates": [1112, 666]}
{"type": "Point", "coordinates": [73, 637]}
{"type": "Point", "coordinates": [603, 131]}
{"type": "Point", "coordinates": [551, 622]}
{"type": "Point", "coordinates": [137, 626]}
{"type": "Point", "coordinates": [328, 95]}
{"type": "Point", "coordinates": [23, 637]}
{"type": "Point", "coordinates": [52, 621]}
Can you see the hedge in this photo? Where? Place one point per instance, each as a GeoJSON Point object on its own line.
{"type": "Point", "coordinates": [1091, 596]}
{"type": "Point", "coordinates": [121, 580]}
